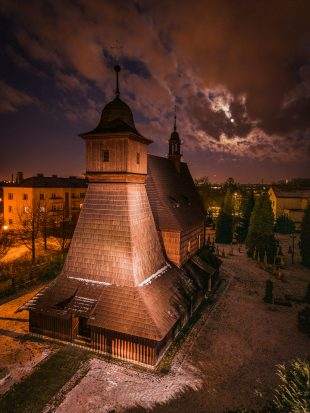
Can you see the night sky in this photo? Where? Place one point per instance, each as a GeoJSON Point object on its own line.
{"type": "Point", "coordinates": [239, 72]}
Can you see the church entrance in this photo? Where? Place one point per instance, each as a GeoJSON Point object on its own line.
{"type": "Point", "coordinates": [83, 328]}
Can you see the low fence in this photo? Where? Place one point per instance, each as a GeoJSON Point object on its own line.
{"type": "Point", "coordinates": [12, 280]}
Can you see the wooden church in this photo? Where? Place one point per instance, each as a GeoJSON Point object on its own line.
{"type": "Point", "coordinates": [132, 277]}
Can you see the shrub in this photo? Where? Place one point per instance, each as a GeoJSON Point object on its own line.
{"type": "Point", "coordinates": [293, 393]}
{"type": "Point", "coordinates": [260, 236]}
{"type": "Point", "coordinates": [304, 320]}
{"type": "Point", "coordinates": [224, 223]}
{"type": "Point", "coordinates": [284, 225]}
{"type": "Point", "coordinates": [305, 238]}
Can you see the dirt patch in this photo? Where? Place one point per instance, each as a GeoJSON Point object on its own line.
{"type": "Point", "coordinates": [18, 356]}
{"type": "Point", "coordinates": [231, 363]}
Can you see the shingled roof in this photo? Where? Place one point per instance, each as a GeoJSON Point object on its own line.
{"type": "Point", "coordinates": [115, 240]}
{"type": "Point", "coordinates": [174, 200]}
{"type": "Point", "coordinates": [149, 311]}
{"type": "Point", "coordinates": [297, 193]}
{"type": "Point", "coordinates": [41, 181]}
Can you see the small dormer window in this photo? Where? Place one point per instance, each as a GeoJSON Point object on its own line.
{"type": "Point", "coordinates": [138, 158]}
{"type": "Point", "coordinates": [105, 155]}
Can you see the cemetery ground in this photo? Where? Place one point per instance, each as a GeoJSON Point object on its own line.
{"type": "Point", "coordinates": [227, 360]}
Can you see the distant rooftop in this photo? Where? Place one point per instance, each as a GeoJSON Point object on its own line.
{"type": "Point", "coordinates": [296, 193]}
{"type": "Point", "coordinates": [54, 181]}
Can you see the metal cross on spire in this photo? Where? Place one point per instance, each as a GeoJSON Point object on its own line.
{"type": "Point", "coordinates": [117, 69]}
{"type": "Point", "coordinates": [118, 48]}
{"type": "Point", "coordinates": [175, 118]}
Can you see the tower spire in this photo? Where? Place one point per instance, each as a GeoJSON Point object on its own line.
{"type": "Point", "coordinates": [174, 153]}
{"type": "Point", "coordinates": [175, 118]}
{"type": "Point", "coordinates": [117, 69]}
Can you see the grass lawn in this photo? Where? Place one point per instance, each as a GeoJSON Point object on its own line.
{"type": "Point", "coordinates": [33, 393]}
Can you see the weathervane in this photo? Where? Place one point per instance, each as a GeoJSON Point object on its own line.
{"type": "Point", "coordinates": [117, 69]}
{"type": "Point", "coordinates": [175, 117]}
{"type": "Point", "coordinates": [118, 48]}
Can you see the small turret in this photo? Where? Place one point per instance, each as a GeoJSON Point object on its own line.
{"type": "Point", "coordinates": [175, 145]}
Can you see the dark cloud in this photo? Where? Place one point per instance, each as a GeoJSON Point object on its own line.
{"type": "Point", "coordinates": [12, 99]}
{"type": "Point", "coordinates": [239, 71]}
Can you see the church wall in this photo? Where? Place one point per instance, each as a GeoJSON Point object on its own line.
{"type": "Point", "coordinates": [190, 242]}
{"type": "Point", "coordinates": [125, 155]}
{"type": "Point", "coordinates": [123, 346]}
{"type": "Point", "coordinates": [50, 325]}
{"type": "Point", "coordinates": [180, 246]}
{"type": "Point", "coordinates": [171, 243]}
{"type": "Point", "coordinates": [118, 150]}
{"type": "Point", "coordinates": [137, 157]}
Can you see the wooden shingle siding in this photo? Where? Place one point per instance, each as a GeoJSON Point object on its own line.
{"type": "Point", "coordinates": [190, 239]}
{"type": "Point", "coordinates": [51, 326]}
{"type": "Point", "coordinates": [122, 155]}
{"type": "Point", "coordinates": [115, 240]}
{"type": "Point", "coordinates": [171, 242]}
{"type": "Point", "coordinates": [123, 346]}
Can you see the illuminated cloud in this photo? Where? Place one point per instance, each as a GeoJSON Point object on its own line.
{"type": "Point", "coordinates": [12, 99]}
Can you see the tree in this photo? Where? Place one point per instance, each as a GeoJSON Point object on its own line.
{"type": "Point", "coordinates": [204, 188]}
{"type": "Point", "coordinates": [246, 212]}
{"type": "Point", "coordinates": [305, 238]}
{"type": "Point", "coordinates": [6, 241]}
{"type": "Point", "coordinates": [224, 224]}
{"type": "Point", "coordinates": [261, 230]}
{"type": "Point", "coordinates": [230, 185]}
{"type": "Point", "coordinates": [268, 298]}
{"type": "Point", "coordinates": [284, 225]}
{"type": "Point", "coordinates": [30, 220]}
{"type": "Point", "coordinates": [63, 228]}
{"type": "Point", "coordinates": [46, 224]}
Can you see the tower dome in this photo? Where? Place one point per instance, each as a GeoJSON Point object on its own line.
{"type": "Point", "coordinates": [116, 115]}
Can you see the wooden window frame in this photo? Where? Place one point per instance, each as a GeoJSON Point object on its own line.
{"type": "Point", "coordinates": [105, 155]}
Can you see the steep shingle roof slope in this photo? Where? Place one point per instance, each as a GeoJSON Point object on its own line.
{"type": "Point", "coordinates": [115, 240]}
{"type": "Point", "coordinates": [298, 193]}
{"type": "Point", "coordinates": [149, 311]}
{"type": "Point", "coordinates": [42, 181]}
{"type": "Point", "coordinates": [174, 200]}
